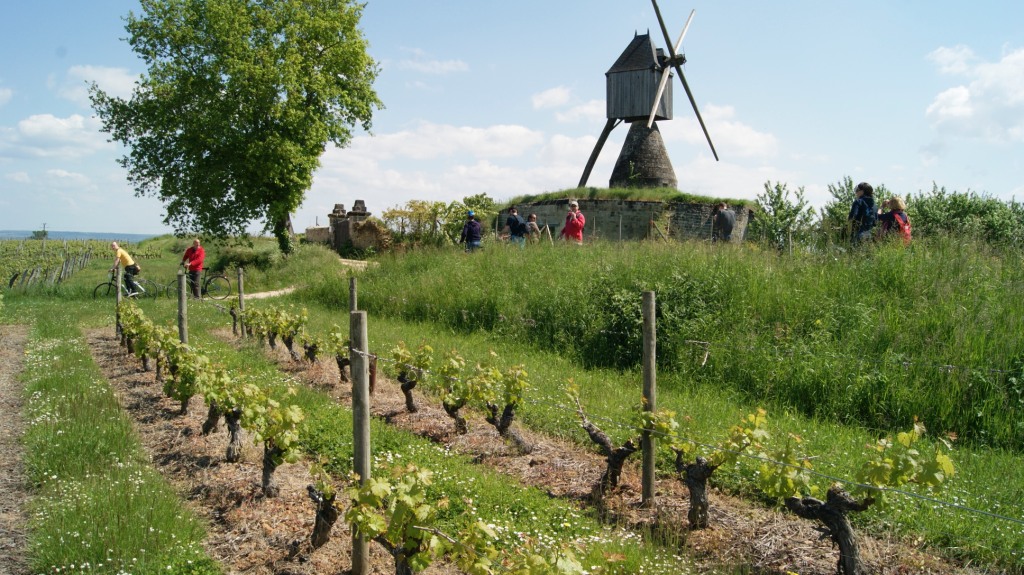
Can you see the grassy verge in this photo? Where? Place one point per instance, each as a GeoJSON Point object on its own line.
{"type": "Point", "coordinates": [97, 507]}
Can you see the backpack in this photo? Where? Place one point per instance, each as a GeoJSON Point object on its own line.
{"type": "Point", "coordinates": [902, 226]}
{"type": "Point", "coordinates": [520, 227]}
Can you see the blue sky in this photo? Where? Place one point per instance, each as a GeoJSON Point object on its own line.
{"type": "Point", "coordinates": [507, 98]}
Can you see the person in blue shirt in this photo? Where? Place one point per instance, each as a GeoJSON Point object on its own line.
{"type": "Point", "coordinates": [472, 232]}
{"type": "Point", "coordinates": [862, 214]}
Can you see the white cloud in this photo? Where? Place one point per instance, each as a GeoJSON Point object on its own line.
{"type": "Point", "coordinates": [5, 95]}
{"type": "Point", "coordinates": [47, 136]}
{"type": "Point", "coordinates": [952, 104]}
{"type": "Point", "coordinates": [591, 112]}
{"type": "Point", "coordinates": [117, 82]}
{"type": "Point", "coordinates": [431, 141]}
{"type": "Point", "coordinates": [551, 98]}
{"type": "Point", "coordinates": [955, 60]}
{"type": "Point", "coordinates": [422, 63]}
{"type": "Point", "coordinates": [19, 177]}
{"type": "Point", "coordinates": [989, 105]}
{"type": "Point", "coordinates": [732, 138]}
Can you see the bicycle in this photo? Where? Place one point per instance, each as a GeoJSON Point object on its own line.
{"type": "Point", "coordinates": [216, 286]}
{"type": "Point", "coordinates": [147, 288]}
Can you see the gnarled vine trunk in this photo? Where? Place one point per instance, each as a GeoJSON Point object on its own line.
{"type": "Point", "coordinates": [461, 425]}
{"type": "Point", "coordinates": [696, 475]}
{"type": "Point", "coordinates": [289, 342]}
{"type": "Point", "coordinates": [233, 418]}
{"type": "Point", "coordinates": [832, 513]}
{"type": "Point", "coordinates": [271, 459]}
{"type": "Point", "coordinates": [614, 456]}
{"type": "Point", "coordinates": [504, 426]}
{"type": "Point", "coordinates": [408, 381]}
{"type": "Point", "coordinates": [343, 362]}
{"type": "Point", "coordinates": [212, 419]}
{"type": "Point", "coordinates": [326, 516]}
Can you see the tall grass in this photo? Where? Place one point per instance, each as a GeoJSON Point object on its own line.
{"type": "Point", "coordinates": [871, 337]}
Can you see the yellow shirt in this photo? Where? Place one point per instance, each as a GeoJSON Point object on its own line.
{"type": "Point", "coordinates": [126, 260]}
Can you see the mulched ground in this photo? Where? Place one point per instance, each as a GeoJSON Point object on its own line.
{"type": "Point", "coordinates": [251, 534]}
{"type": "Point", "coordinates": [13, 489]}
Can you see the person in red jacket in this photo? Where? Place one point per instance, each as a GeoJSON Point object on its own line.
{"type": "Point", "coordinates": [193, 258]}
{"type": "Point", "coordinates": [574, 222]}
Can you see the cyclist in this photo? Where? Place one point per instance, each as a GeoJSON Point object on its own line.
{"type": "Point", "coordinates": [121, 258]}
{"type": "Point", "coordinates": [193, 258]}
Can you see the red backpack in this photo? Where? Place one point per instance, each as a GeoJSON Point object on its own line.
{"type": "Point", "coordinates": [901, 223]}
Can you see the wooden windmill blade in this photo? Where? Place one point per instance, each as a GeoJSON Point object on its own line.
{"type": "Point", "coordinates": [666, 72]}
{"type": "Point", "coordinates": [676, 61]}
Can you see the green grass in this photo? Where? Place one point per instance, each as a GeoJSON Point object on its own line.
{"type": "Point", "coordinates": [97, 506]}
{"type": "Point", "coordinates": [839, 347]}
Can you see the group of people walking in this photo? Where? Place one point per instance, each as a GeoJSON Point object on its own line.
{"type": "Point", "coordinates": [518, 229]}
{"type": "Point", "coordinates": [864, 217]}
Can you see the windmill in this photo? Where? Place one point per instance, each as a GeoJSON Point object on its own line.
{"type": "Point", "coordinates": [633, 98]}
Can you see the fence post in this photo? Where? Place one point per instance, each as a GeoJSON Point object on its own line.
{"type": "Point", "coordinates": [648, 442]}
{"type": "Point", "coordinates": [117, 303]}
{"type": "Point", "coordinates": [353, 299]}
{"type": "Point", "coordinates": [241, 299]}
{"type": "Point", "coordinates": [182, 308]}
{"type": "Point", "coordinates": [360, 366]}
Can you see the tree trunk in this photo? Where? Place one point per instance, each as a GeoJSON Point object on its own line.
{"type": "Point", "coordinates": [696, 477]}
{"type": "Point", "coordinates": [833, 514]}
{"type": "Point", "coordinates": [408, 383]}
{"type": "Point", "coordinates": [326, 516]}
{"type": "Point", "coordinates": [271, 459]}
{"type": "Point", "coordinates": [212, 419]}
{"type": "Point", "coordinates": [233, 418]}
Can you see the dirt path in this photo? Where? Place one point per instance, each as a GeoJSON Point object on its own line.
{"type": "Point", "coordinates": [13, 487]}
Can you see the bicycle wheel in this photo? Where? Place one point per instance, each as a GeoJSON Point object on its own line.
{"type": "Point", "coordinates": [217, 287]}
{"type": "Point", "coordinates": [104, 290]}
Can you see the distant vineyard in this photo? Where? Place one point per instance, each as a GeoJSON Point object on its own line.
{"type": "Point", "coordinates": [25, 263]}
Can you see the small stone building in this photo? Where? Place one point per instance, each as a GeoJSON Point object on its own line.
{"type": "Point", "coordinates": [633, 219]}
{"type": "Point", "coordinates": [350, 230]}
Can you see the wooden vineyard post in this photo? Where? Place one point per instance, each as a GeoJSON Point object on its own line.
{"type": "Point", "coordinates": [353, 300]}
{"type": "Point", "coordinates": [117, 302]}
{"type": "Point", "coordinates": [241, 300]}
{"type": "Point", "coordinates": [360, 365]}
{"type": "Point", "coordinates": [648, 443]}
{"type": "Point", "coordinates": [182, 308]}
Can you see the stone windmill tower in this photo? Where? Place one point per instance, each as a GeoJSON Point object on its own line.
{"type": "Point", "coordinates": [639, 93]}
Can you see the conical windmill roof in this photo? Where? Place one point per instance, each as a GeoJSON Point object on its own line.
{"type": "Point", "coordinates": [639, 55]}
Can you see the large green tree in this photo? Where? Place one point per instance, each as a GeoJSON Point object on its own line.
{"type": "Point", "coordinates": [240, 100]}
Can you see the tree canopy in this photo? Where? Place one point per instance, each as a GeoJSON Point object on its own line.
{"type": "Point", "coordinates": [239, 102]}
